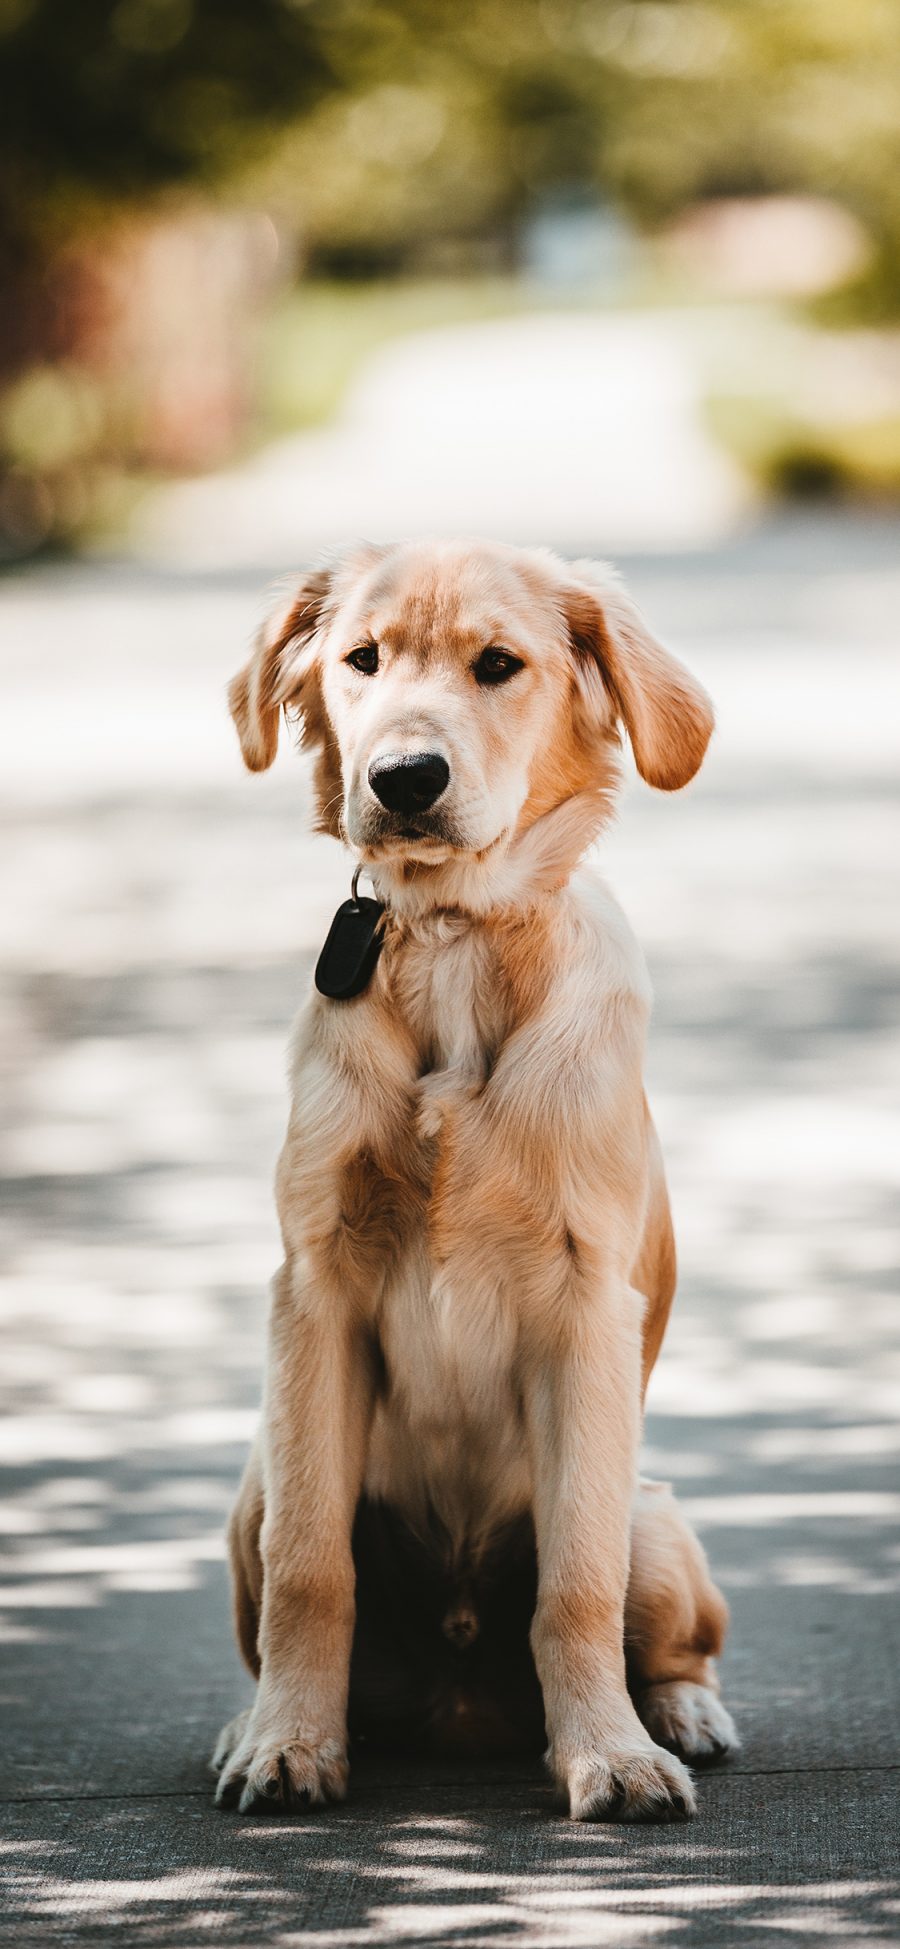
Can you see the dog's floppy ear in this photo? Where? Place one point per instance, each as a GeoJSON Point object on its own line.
{"type": "Point", "coordinates": [280, 672]}
{"type": "Point", "coordinates": [665, 711]}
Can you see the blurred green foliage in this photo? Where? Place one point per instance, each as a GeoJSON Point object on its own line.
{"type": "Point", "coordinates": [388, 127]}
{"type": "Point", "coordinates": [387, 139]}
{"type": "Point", "coordinates": [462, 119]}
{"type": "Point", "coordinates": [811, 457]}
{"type": "Point", "coordinates": [113, 98]}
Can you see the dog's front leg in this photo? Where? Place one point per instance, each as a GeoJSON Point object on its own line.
{"type": "Point", "coordinates": [292, 1749]}
{"type": "Point", "coordinates": [583, 1413]}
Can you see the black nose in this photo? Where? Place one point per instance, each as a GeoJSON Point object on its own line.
{"type": "Point", "coordinates": [409, 784]}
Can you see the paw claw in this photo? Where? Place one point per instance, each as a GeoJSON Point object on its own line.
{"type": "Point", "coordinates": [267, 1775]}
{"type": "Point", "coordinates": [645, 1784]}
{"type": "Point", "coordinates": [228, 1793]}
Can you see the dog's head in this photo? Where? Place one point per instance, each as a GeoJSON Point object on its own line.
{"type": "Point", "coordinates": [456, 693]}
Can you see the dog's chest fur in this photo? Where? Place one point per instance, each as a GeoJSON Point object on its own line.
{"type": "Point", "coordinates": [447, 1439]}
{"type": "Point", "coordinates": [452, 993]}
{"type": "Point", "coordinates": [442, 1179]}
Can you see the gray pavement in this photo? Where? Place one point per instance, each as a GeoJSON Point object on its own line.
{"type": "Point", "coordinates": [159, 913]}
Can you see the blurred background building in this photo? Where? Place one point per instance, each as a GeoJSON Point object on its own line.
{"type": "Point", "coordinates": [213, 212]}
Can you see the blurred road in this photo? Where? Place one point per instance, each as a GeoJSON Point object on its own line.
{"type": "Point", "coordinates": [569, 424]}
{"type": "Point", "coordinates": [159, 914]}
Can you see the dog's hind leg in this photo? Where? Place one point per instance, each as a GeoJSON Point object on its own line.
{"type": "Point", "coordinates": [246, 1562]}
{"type": "Point", "coordinates": [675, 1625]}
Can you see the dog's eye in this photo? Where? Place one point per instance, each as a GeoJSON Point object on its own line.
{"type": "Point", "coordinates": [364, 659]}
{"type": "Point", "coordinates": [496, 667]}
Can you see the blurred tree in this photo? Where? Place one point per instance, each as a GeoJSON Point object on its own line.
{"type": "Point", "coordinates": [116, 97]}
{"type": "Point", "coordinates": [381, 124]}
{"type": "Point", "coordinates": [383, 134]}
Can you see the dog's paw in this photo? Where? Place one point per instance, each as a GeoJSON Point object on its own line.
{"type": "Point", "coordinates": [642, 1783]}
{"type": "Point", "coordinates": [689, 1719]}
{"type": "Point", "coordinates": [266, 1772]}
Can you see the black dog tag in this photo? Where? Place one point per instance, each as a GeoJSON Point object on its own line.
{"type": "Point", "coordinates": [355, 939]}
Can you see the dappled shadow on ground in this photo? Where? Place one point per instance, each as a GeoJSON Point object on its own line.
{"type": "Point", "coordinates": [120, 1667]}
{"type": "Point", "coordinates": [450, 1859]}
{"type": "Point", "coordinates": [173, 920]}
{"type": "Point", "coordinates": [150, 1101]}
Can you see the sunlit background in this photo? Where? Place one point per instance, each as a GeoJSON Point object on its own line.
{"type": "Point", "coordinates": [620, 278]}
{"type": "Point", "coordinates": [215, 215]}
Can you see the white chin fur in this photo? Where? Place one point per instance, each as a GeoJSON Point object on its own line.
{"type": "Point", "coordinates": [505, 873]}
{"type": "Point", "coordinates": [410, 852]}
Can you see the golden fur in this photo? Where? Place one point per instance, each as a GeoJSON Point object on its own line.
{"type": "Point", "coordinates": [478, 1252]}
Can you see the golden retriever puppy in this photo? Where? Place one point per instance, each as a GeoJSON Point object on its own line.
{"type": "Point", "coordinates": [441, 1538]}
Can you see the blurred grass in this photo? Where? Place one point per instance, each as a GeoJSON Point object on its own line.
{"type": "Point", "coordinates": [802, 456]}
{"type": "Point", "coordinates": [318, 337]}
